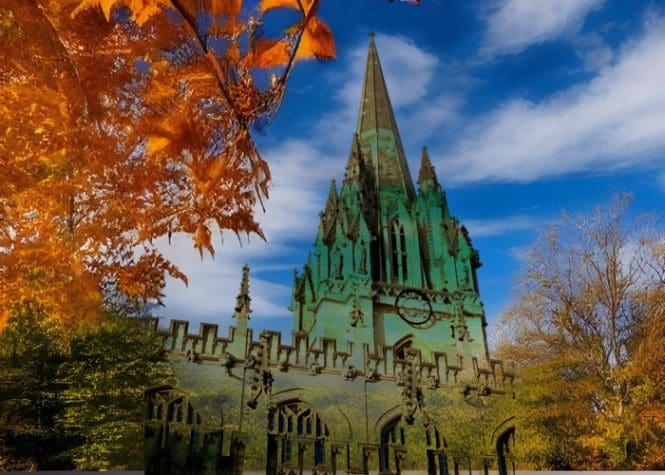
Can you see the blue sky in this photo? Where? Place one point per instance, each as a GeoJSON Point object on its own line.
{"type": "Point", "coordinates": [528, 107]}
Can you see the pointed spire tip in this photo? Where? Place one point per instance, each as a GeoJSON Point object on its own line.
{"type": "Point", "coordinates": [242, 308]}
{"type": "Point", "coordinates": [426, 174]}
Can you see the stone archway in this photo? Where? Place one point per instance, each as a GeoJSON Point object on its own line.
{"type": "Point", "coordinates": [394, 444]}
{"type": "Point", "coordinates": [298, 440]}
{"type": "Point", "coordinates": [437, 459]}
{"type": "Point", "coordinates": [178, 442]}
{"type": "Point", "coordinates": [173, 432]}
{"type": "Point", "coordinates": [502, 443]}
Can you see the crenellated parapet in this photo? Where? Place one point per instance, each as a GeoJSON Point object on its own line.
{"type": "Point", "coordinates": [329, 356]}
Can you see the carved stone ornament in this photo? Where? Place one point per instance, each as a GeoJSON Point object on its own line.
{"type": "Point", "coordinates": [251, 361]}
{"type": "Point", "coordinates": [350, 373]}
{"type": "Point", "coordinates": [227, 360]}
{"type": "Point", "coordinates": [314, 368]}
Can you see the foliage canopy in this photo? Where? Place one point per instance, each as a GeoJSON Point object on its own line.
{"type": "Point", "coordinates": [584, 334]}
{"type": "Point", "coordinates": [123, 121]}
{"type": "Point", "coordinates": [75, 401]}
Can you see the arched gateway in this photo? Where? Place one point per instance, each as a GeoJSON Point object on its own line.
{"type": "Point", "coordinates": [395, 434]}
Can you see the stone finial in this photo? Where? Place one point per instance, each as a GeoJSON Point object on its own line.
{"type": "Point", "coordinates": [426, 175]}
{"type": "Point", "coordinates": [243, 300]}
{"type": "Point", "coordinates": [332, 193]}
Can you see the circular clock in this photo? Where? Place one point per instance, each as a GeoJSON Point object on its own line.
{"type": "Point", "coordinates": [414, 307]}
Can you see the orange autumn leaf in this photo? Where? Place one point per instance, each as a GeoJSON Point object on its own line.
{"type": "Point", "coordinates": [303, 5]}
{"type": "Point", "coordinates": [156, 144]}
{"type": "Point", "coordinates": [142, 10]}
{"type": "Point", "coordinates": [268, 53]}
{"type": "Point", "coordinates": [317, 41]}
{"type": "Point", "coordinates": [202, 239]}
{"type": "Point", "coordinates": [229, 8]}
{"type": "Point", "coordinates": [217, 168]}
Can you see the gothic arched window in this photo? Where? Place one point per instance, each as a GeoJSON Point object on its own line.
{"type": "Point", "coordinates": [394, 251]}
{"type": "Point", "coordinates": [398, 252]}
{"type": "Point", "coordinates": [402, 237]}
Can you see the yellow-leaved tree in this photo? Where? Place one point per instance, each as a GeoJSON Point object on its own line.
{"type": "Point", "coordinates": [585, 333]}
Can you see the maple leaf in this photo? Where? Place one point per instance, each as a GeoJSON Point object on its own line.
{"type": "Point", "coordinates": [203, 240]}
{"type": "Point", "coordinates": [317, 41]}
{"type": "Point", "coordinates": [268, 53]}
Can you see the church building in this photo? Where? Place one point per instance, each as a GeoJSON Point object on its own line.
{"type": "Point", "coordinates": [388, 337]}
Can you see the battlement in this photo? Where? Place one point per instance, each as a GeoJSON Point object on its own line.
{"type": "Point", "coordinates": [326, 356]}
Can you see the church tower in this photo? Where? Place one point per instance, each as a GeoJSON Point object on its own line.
{"type": "Point", "coordinates": [390, 266]}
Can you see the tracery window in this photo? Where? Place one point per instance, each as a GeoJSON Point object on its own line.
{"type": "Point", "coordinates": [399, 256]}
{"type": "Point", "coordinates": [297, 420]}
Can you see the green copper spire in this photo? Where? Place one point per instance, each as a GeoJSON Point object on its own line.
{"type": "Point", "coordinates": [377, 129]}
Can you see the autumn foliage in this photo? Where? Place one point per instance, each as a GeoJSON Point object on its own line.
{"type": "Point", "coordinates": [123, 121]}
{"type": "Point", "coordinates": [586, 333]}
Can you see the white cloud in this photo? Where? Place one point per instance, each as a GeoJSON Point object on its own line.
{"type": "Point", "coordinates": [520, 253]}
{"type": "Point", "coordinates": [214, 284]}
{"type": "Point", "coordinates": [425, 119]}
{"type": "Point", "coordinates": [301, 173]}
{"type": "Point", "coordinates": [661, 181]}
{"type": "Point", "coordinates": [615, 120]}
{"type": "Point", "coordinates": [516, 24]}
{"type": "Point", "coordinates": [594, 52]}
{"type": "Point", "coordinates": [495, 227]}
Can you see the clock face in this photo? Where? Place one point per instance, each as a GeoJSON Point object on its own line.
{"type": "Point", "coordinates": [414, 307]}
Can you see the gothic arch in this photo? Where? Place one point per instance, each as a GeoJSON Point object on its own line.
{"type": "Point", "coordinates": [298, 438]}
{"type": "Point", "coordinates": [389, 431]}
{"type": "Point", "coordinates": [398, 250]}
{"type": "Point", "coordinates": [401, 345]}
{"type": "Point", "coordinates": [502, 443]}
{"type": "Point", "coordinates": [166, 404]}
{"type": "Point", "coordinates": [498, 430]}
{"type": "Point", "coordinates": [173, 427]}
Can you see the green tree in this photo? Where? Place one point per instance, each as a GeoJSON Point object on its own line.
{"type": "Point", "coordinates": [573, 332]}
{"type": "Point", "coordinates": [108, 369]}
{"type": "Point", "coordinates": [75, 400]}
{"type": "Point", "coordinates": [31, 395]}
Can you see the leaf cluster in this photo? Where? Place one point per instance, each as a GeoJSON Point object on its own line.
{"type": "Point", "coordinates": [125, 121]}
